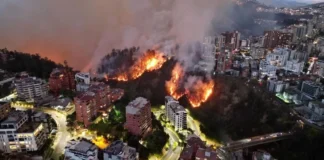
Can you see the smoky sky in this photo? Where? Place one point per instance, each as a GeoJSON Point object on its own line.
{"type": "Point", "coordinates": [83, 31]}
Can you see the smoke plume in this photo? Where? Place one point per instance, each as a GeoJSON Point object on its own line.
{"type": "Point", "coordinates": [83, 31]}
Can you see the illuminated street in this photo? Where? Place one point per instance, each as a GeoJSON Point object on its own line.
{"type": "Point", "coordinates": [63, 136]}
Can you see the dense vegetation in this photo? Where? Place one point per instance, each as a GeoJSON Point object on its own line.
{"type": "Point", "coordinates": [14, 61]}
{"type": "Point", "coordinates": [245, 109]}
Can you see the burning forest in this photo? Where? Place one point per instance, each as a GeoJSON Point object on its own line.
{"type": "Point", "coordinates": [190, 77]}
{"type": "Point", "coordinates": [130, 64]}
{"type": "Point", "coordinates": [197, 89]}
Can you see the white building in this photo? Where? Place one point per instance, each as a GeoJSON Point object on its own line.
{"type": "Point", "coordinates": [120, 151]}
{"type": "Point", "coordinates": [175, 113]}
{"type": "Point", "coordinates": [267, 69]}
{"type": "Point", "coordinates": [82, 81]}
{"type": "Point", "coordinates": [80, 150]}
{"type": "Point", "coordinates": [282, 58]}
{"type": "Point", "coordinates": [30, 88]}
{"type": "Point", "coordinates": [17, 135]}
{"type": "Point", "coordinates": [278, 57]}
{"type": "Point", "coordinates": [277, 86]}
{"type": "Point", "coordinates": [295, 66]}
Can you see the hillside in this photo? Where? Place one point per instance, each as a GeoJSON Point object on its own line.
{"type": "Point", "coordinates": [15, 61]}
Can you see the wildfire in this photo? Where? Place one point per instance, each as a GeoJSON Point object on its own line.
{"type": "Point", "coordinates": [150, 61]}
{"type": "Point", "coordinates": [172, 85]}
{"type": "Point", "coordinates": [200, 92]}
{"type": "Point", "coordinates": [197, 93]}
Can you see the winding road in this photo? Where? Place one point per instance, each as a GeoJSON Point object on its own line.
{"type": "Point", "coordinates": [62, 136]}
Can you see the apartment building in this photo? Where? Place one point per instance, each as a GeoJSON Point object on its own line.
{"type": "Point", "coordinates": [138, 117]}
{"type": "Point", "coordinates": [30, 88]}
{"type": "Point", "coordinates": [61, 79]}
{"type": "Point", "coordinates": [175, 113]}
{"type": "Point", "coordinates": [17, 135]}
{"type": "Point", "coordinates": [85, 107]}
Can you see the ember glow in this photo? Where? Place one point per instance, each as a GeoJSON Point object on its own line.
{"type": "Point", "coordinates": [197, 93]}
{"type": "Point", "coordinates": [172, 86]}
{"type": "Point", "coordinates": [149, 61]}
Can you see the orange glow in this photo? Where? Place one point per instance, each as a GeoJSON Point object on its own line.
{"type": "Point", "coordinates": [200, 92]}
{"type": "Point", "coordinates": [100, 142]}
{"type": "Point", "coordinates": [172, 85]}
{"type": "Point", "coordinates": [197, 94]}
{"type": "Point", "coordinates": [150, 61]}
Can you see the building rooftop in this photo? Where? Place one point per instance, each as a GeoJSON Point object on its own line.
{"type": "Point", "coordinates": [176, 107]}
{"type": "Point", "coordinates": [207, 154]}
{"type": "Point", "coordinates": [98, 87]}
{"type": "Point", "coordinates": [61, 102]}
{"type": "Point", "coordinates": [28, 127]}
{"type": "Point", "coordinates": [24, 80]}
{"type": "Point", "coordinates": [82, 146]}
{"type": "Point", "coordinates": [134, 106]}
{"type": "Point", "coordinates": [194, 140]}
{"type": "Point", "coordinates": [85, 96]}
{"type": "Point", "coordinates": [14, 117]}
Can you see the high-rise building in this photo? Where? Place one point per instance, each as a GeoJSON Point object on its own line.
{"type": "Point", "coordinates": [119, 150]}
{"type": "Point", "coordinates": [30, 88]}
{"type": "Point", "coordinates": [85, 107]}
{"type": "Point", "coordinates": [80, 150]}
{"type": "Point", "coordinates": [175, 113]}
{"type": "Point", "coordinates": [98, 96]}
{"type": "Point", "coordinates": [138, 117]}
{"type": "Point", "coordinates": [61, 79]}
{"type": "Point", "coordinates": [232, 40]}
{"type": "Point", "coordinates": [4, 109]}
{"type": "Point", "coordinates": [273, 39]}
{"type": "Point", "coordinates": [299, 32]}
{"type": "Point", "coordinates": [17, 135]}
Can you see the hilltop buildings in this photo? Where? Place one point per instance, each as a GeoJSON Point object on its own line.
{"type": "Point", "coordinates": [138, 117]}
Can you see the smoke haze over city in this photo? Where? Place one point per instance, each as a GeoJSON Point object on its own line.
{"type": "Point", "coordinates": [82, 32]}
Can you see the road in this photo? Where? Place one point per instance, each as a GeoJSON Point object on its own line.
{"type": "Point", "coordinates": [62, 136]}
{"type": "Point", "coordinates": [193, 126]}
{"type": "Point", "coordinates": [253, 141]}
{"type": "Point", "coordinates": [173, 139]}
{"type": "Point", "coordinates": [172, 153]}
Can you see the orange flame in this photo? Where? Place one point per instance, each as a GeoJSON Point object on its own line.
{"type": "Point", "coordinates": [172, 85]}
{"type": "Point", "coordinates": [197, 94]}
{"type": "Point", "coordinates": [150, 61]}
{"type": "Point", "coordinates": [200, 92]}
